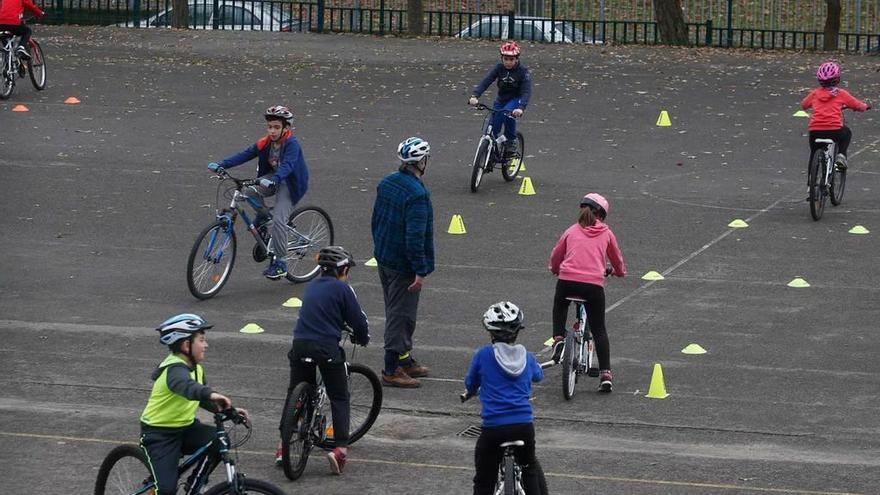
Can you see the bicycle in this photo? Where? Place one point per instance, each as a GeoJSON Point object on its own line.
{"type": "Point", "coordinates": [306, 422]}
{"type": "Point", "coordinates": [11, 68]}
{"type": "Point", "coordinates": [825, 178]}
{"type": "Point", "coordinates": [212, 257]}
{"type": "Point", "coordinates": [490, 152]}
{"type": "Point", "coordinates": [125, 470]}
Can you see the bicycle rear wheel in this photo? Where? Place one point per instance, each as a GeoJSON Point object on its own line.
{"type": "Point", "coordinates": [124, 471]}
{"type": "Point", "coordinates": [296, 441]}
{"type": "Point", "coordinates": [481, 161]}
{"type": "Point", "coordinates": [7, 79]}
{"type": "Point", "coordinates": [509, 476]}
{"type": "Point", "coordinates": [514, 164]}
{"type": "Point", "coordinates": [37, 66]}
{"type": "Point", "coordinates": [246, 485]}
{"type": "Point", "coordinates": [571, 356]}
{"type": "Point", "coordinates": [815, 180]}
{"type": "Point", "coordinates": [838, 185]}
{"type": "Point", "coordinates": [309, 230]}
{"type": "Point", "coordinates": [211, 260]}
{"type": "Point", "coordinates": [365, 392]}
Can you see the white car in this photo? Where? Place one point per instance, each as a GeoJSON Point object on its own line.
{"type": "Point", "coordinates": [232, 15]}
{"type": "Point", "coordinates": [527, 29]}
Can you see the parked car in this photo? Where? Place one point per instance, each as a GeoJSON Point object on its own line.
{"type": "Point", "coordinates": [233, 15]}
{"type": "Point", "coordinates": [526, 28]}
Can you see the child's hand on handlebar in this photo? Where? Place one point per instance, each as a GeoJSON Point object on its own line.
{"type": "Point", "coordinates": [517, 113]}
{"type": "Point", "coordinates": [245, 414]}
{"type": "Point", "coordinates": [221, 401]}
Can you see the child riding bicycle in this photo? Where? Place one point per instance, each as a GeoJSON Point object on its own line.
{"type": "Point", "coordinates": [282, 172]}
{"type": "Point", "coordinates": [578, 260]}
{"type": "Point", "coordinates": [503, 373]}
{"type": "Point", "coordinates": [514, 91]}
{"type": "Point", "coordinates": [12, 20]}
{"type": "Point", "coordinates": [329, 306]}
{"type": "Point", "coordinates": [828, 102]}
{"type": "Point", "coordinates": [169, 428]}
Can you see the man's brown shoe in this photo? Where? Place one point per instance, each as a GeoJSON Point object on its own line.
{"type": "Point", "coordinates": [400, 379]}
{"type": "Point", "coordinates": [415, 370]}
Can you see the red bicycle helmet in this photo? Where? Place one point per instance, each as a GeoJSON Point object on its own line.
{"type": "Point", "coordinates": [510, 49]}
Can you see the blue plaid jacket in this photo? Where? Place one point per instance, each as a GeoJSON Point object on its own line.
{"type": "Point", "coordinates": [403, 225]}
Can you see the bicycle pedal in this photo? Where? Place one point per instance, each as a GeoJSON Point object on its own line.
{"type": "Point", "coordinates": [594, 372]}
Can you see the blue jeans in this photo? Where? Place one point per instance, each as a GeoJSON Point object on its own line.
{"type": "Point", "coordinates": [499, 119]}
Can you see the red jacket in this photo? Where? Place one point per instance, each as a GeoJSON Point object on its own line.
{"type": "Point", "coordinates": [827, 104]}
{"type": "Point", "coordinates": [12, 11]}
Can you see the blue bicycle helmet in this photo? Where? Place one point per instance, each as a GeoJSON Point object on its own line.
{"type": "Point", "coordinates": [180, 327]}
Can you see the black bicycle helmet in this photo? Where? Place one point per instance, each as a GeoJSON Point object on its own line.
{"type": "Point", "coordinates": [503, 320]}
{"type": "Point", "coordinates": [335, 257]}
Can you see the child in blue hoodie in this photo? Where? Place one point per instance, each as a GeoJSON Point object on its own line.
{"type": "Point", "coordinates": [503, 373]}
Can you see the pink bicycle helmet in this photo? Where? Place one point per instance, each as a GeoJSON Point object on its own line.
{"type": "Point", "coordinates": [510, 49]}
{"type": "Point", "coordinates": [596, 202]}
{"type": "Point", "coordinates": [828, 71]}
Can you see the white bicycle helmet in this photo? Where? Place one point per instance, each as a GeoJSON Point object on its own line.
{"type": "Point", "coordinates": [413, 149]}
{"type": "Point", "coordinates": [180, 327]}
{"type": "Point", "coordinates": [279, 112]}
{"type": "Point", "coordinates": [503, 320]}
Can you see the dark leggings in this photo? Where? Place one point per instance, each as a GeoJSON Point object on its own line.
{"type": "Point", "coordinates": [594, 295]}
{"type": "Point", "coordinates": [842, 136]}
{"type": "Point", "coordinates": [487, 456]}
{"type": "Point", "coordinates": [165, 446]}
{"type": "Point", "coordinates": [330, 359]}
{"type": "Point", "coordinates": [21, 30]}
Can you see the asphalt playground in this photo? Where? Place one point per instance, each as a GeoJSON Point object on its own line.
{"type": "Point", "coordinates": [103, 199]}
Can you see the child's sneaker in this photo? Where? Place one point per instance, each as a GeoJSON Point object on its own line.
{"type": "Point", "coordinates": [22, 53]}
{"type": "Point", "coordinates": [558, 347]}
{"type": "Point", "coordinates": [337, 460]}
{"type": "Point", "coordinates": [841, 162]}
{"type": "Point", "coordinates": [605, 378]}
{"type": "Point", "coordinates": [275, 270]}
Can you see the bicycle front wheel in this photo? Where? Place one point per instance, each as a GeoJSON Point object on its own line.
{"type": "Point", "coordinates": [838, 184]}
{"type": "Point", "coordinates": [124, 471]}
{"type": "Point", "coordinates": [211, 260]}
{"type": "Point", "coordinates": [481, 161]}
{"type": "Point", "coordinates": [246, 485]}
{"type": "Point", "coordinates": [309, 230]}
{"type": "Point", "coordinates": [7, 77]}
{"type": "Point", "coordinates": [37, 66]}
{"type": "Point", "coordinates": [570, 359]}
{"type": "Point", "coordinates": [295, 425]}
{"type": "Point", "coordinates": [514, 164]}
{"type": "Point", "coordinates": [816, 177]}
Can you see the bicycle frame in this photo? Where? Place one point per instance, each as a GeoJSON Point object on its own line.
{"type": "Point", "coordinates": [830, 154]}
{"type": "Point", "coordinates": [12, 61]}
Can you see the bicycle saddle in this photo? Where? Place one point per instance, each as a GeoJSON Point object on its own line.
{"type": "Point", "coordinates": [823, 140]}
{"type": "Point", "coordinates": [575, 299]}
{"type": "Point", "coordinates": [515, 443]}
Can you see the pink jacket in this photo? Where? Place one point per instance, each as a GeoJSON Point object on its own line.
{"type": "Point", "coordinates": [827, 105]}
{"type": "Point", "coordinates": [579, 255]}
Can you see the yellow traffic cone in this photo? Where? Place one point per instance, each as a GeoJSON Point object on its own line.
{"type": "Point", "coordinates": [663, 120]}
{"type": "Point", "coordinates": [858, 229]}
{"type": "Point", "coordinates": [738, 224]}
{"type": "Point", "coordinates": [526, 188]}
{"type": "Point", "coordinates": [371, 262]}
{"type": "Point", "coordinates": [652, 275]}
{"type": "Point", "coordinates": [252, 328]}
{"type": "Point", "coordinates": [456, 225]}
{"type": "Point", "coordinates": [657, 390]}
{"type": "Point", "coordinates": [798, 283]}
{"type": "Point", "coordinates": [801, 113]}
{"type": "Point", "coordinates": [522, 165]}
{"type": "Point", "coordinates": [293, 302]}
{"type": "Point", "coordinates": [693, 349]}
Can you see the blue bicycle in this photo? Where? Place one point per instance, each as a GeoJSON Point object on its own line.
{"type": "Point", "coordinates": [212, 257]}
{"type": "Point", "coordinates": [125, 469]}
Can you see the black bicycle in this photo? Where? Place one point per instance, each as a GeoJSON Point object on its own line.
{"type": "Point", "coordinates": [307, 422]}
{"type": "Point", "coordinates": [11, 68]}
{"type": "Point", "coordinates": [125, 470]}
{"type": "Point", "coordinates": [490, 152]}
{"type": "Point", "coordinates": [826, 178]}
{"type": "Point", "coordinates": [212, 257]}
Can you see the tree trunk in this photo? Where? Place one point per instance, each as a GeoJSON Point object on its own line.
{"type": "Point", "coordinates": [179, 14]}
{"type": "Point", "coordinates": [415, 17]}
{"type": "Point", "coordinates": [832, 25]}
{"type": "Point", "coordinates": [670, 21]}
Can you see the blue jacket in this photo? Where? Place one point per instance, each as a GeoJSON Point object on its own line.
{"type": "Point", "coordinates": [503, 373]}
{"type": "Point", "coordinates": [514, 83]}
{"type": "Point", "coordinates": [403, 225]}
{"type": "Point", "coordinates": [330, 304]}
{"type": "Point", "coordinates": [291, 169]}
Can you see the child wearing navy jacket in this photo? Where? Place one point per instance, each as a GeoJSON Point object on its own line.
{"type": "Point", "coordinates": [329, 305]}
{"type": "Point", "coordinates": [503, 373]}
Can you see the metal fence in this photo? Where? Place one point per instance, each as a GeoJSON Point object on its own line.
{"type": "Point", "coordinates": [765, 24]}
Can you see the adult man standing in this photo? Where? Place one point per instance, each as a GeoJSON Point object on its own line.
{"type": "Point", "coordinates": [403, 244]}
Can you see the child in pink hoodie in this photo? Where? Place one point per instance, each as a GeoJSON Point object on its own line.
{"type": "Point", "coordinates": [578, 260]}
{"type": "Point", "coordinates": [828, 102]}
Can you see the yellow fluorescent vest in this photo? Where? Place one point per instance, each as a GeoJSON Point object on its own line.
{"type": "Point", "coordinates": [167, 409]}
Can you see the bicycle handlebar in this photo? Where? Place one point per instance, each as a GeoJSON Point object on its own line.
{"type": "Point", "coordinates": [222, 174]}
{"type": "Point", "coordinates": [233, 415]}
{"type": "Point", "coordinates": [480, 106]}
